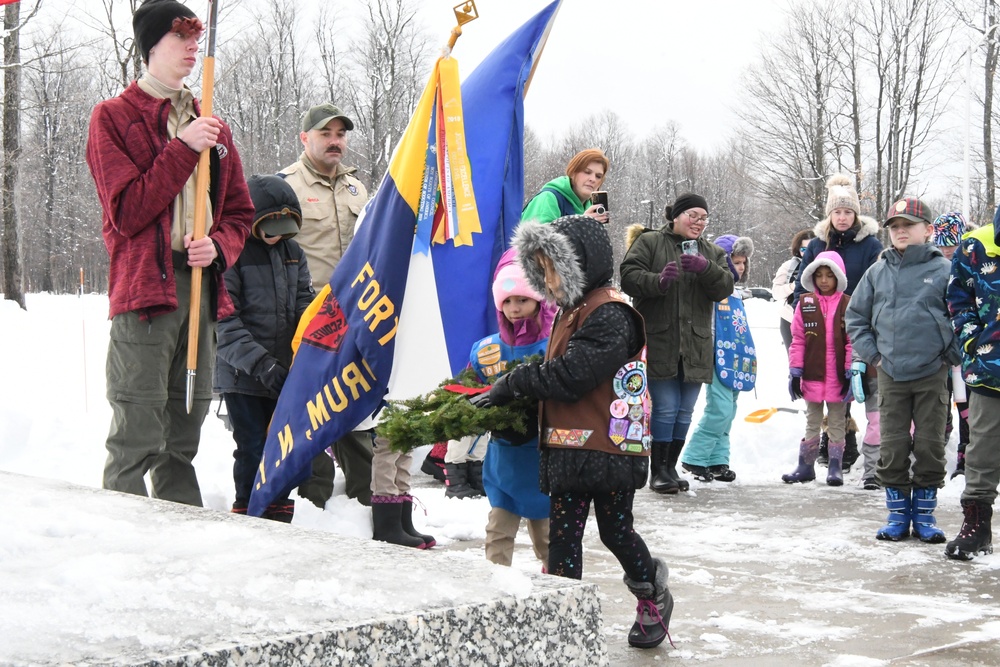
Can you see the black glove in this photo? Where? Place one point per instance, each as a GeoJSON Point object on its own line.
{"type": "Point", "coordinates": [516, 438]}
{"type": "Point", "coordinates": [795, 383]}
{"type": "Point", "coordinates": [482, 400]}
{"type": "Point", "coordinates": [273, 376]}
{"type": "Point", "coordinates": [497, 395]}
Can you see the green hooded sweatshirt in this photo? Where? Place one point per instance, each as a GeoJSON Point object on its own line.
{"type": "Point", "coordinates": [544, 207]}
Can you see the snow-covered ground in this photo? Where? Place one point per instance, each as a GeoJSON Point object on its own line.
{"type": "Point", "coordinates": [723, 542]}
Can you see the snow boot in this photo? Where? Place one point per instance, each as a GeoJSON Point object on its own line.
{"type": "Point", "coordinates": [900, 514]}
{"type": "Point", "coordinates": [924, 502]}
{"type": "Point", "coordinates": [851, 453]}
{"type": "Point", "coordinates": [835, 472]}
{"type": "Point", "coordinates": [406, 519]}
{"type": "Point", "coordinates": [662, 481]}
{"type": "Point", "coordinates": [701, 473]}
{"type": "Point", "coordinates": [976, 535]}
{"type": "Point", "coordinates": [673, 454]}
{"type": "Point", "coordinates": [722, 473]}
{"type": "Point", "coordinates": [869, 480]}
{"type": "Point", "coordinates": [280, 511]}
{"type": "Point", "coordinates": [654, 460]}
{"type": "Point", "coordinates": [475, 476]}
{"type": "Point", "coordinates": [433, 464]}
{"type": "Point", "coordinates": [456, 479]}
{"type": "Point", "coordinates": [806, 472]}
{"type": "Point", "coordinates": [960, 460]}
{"type": "Point", "coordinates": [387, 522]}
{"type": "Point", "coordinates": [652, 614]}
{"type": "Point", "coordinates": [823, 457]}
{"type": "Point", "coordinates": [239, 508]}
{"type": "Point", "coordinates": [850, 446]}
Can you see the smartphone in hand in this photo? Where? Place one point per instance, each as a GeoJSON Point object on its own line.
{"type": "Point", "coordinates": [600, 198]}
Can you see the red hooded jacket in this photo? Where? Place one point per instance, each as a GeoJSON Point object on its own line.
{"type": "Point", "coordinates": [139, 171]}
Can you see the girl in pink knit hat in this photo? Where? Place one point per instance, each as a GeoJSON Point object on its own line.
{"type": "Point", "coordinates": [510, 470]}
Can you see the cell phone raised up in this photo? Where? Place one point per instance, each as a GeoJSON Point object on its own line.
{"type": "Point", "coordinates": [600, 198]}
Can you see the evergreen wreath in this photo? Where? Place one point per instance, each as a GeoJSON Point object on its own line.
{"type": "Point", "coordinates": [444, 414]}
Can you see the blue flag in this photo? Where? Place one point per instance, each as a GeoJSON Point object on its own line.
{"type": "Point", "coordinates": [383, 298]}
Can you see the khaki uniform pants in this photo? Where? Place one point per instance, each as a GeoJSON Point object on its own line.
{"type": "Point", "coordinates": [390, 470]}
{"type": "Point", "coordinates": [922, 404]}
{"type": "Point", "coordinates": [151, 430]}
{"type": "Point", "coordinates": [501, 529]}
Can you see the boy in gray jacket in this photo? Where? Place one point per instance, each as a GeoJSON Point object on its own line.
{"type": "Point", "coordinates": [898, 322]}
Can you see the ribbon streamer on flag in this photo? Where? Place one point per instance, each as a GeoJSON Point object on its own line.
{"type": "Point", "coordinates": [399, 316]}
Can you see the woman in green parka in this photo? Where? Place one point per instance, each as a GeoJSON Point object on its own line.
{"type": "Point", "coordinates": [570, 194]}
{"type": "Point", "coordinates": [676, 292]}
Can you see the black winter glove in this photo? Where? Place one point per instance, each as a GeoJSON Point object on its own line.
{"type": "Point", "coordinates": [497, 395]}
{"type": "Point", "coordinates": [516, 438]}
{"type": "Point", "coordinates": [273, 375]}
{"type": "Point", "coordinates": [483, 400]}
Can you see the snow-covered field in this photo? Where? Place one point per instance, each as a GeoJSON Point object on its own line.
{"type": "Point", "coordinates": [745, 543]}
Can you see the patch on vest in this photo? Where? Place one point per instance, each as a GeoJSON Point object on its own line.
{"type": "Point", "coordinates": [630, 382]}
{"type": "Point", "coordinates": [629, 425]}
{"type": "Point", "coordinates": [222, 150]}
{"type": "Point", "coordinates": [489, 354]}
{"type": "Point", "coordinates": [567, 437]}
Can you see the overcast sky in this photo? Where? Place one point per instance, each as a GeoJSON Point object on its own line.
{"type": "Point", "coordinates": [649, 61]}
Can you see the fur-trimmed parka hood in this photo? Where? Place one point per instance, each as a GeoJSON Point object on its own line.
{"type": "Point", "coordinates": [632, 233]}
{"type": "Point", "coordinates": [864, 227]}
{"type": "Point", "coordinates": [580, 251]}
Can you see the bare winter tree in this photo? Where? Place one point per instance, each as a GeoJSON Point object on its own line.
{"type": "Point", "coordinates": [13, 23]}
{"type": "Point", "coordinates": [787, 113]}
{"type": "Point", "coordinates": [982, 17]}
{"type": "Point", "coordinates": [63, 231]}
{"type": "Point", "coordinates": [903, 42]}
{"type": "Point", "coordinates": [388, 74]}
{"type": "Point", "coordinates": [324, 33]}
{"type": "Point", "coordinates": [263, 90]}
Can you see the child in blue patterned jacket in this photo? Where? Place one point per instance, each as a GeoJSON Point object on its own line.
{"type": "Point", "coordinates": [707, 453]}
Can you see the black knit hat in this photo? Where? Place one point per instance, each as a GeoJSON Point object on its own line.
{"type": "Point", "coordinates": [683, 203]}
{"type": "Point", "coordinates": [153, 20]}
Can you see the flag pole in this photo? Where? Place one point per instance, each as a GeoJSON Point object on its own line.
{"type": "Point", "coordinates": [464, 13]}
{"type": "Point", "coordinates": [201, 202]}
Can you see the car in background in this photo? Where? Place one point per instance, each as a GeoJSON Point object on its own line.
{"type": "Point", "coordinates": [760, 293]}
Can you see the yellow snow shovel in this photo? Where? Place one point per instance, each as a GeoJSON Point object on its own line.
{"type": "Point", "coordinates": [760, 416]}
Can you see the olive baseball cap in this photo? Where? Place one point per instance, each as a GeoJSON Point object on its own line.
{"type": "Point", "coordinates": [318, 116]}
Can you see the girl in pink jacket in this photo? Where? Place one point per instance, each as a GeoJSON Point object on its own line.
{"type": "Point", "coordinates": [819, 361]}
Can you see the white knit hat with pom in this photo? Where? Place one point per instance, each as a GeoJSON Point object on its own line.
{"type": "Point", "coordinates": [841, 194]}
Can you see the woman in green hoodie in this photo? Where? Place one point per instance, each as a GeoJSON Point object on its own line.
{"type": "Point", "coordinates": [570, 194]}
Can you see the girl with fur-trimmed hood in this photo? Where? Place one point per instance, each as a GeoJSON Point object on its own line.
{"type": "Point", "coordinates": [594, 412]}
{"type": "Point", "coordinates": [819, 363]}
{"type": "Point", "coordinates": [707, 453]}
{"type": "Point", "coordinates": [855, 238]}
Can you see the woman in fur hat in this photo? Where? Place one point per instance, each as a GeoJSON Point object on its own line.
{"type": "Point", "coordinates": [855, 238]}
{"type": "Point", "coordinates": [676, 291]}
{"type": "Point", "coordinates": [594, 414]}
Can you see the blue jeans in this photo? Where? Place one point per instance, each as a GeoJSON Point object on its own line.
{"type": "Point", "coordinates": [250, 416]}
{"type": "Point", "coordinates": [673, 403]}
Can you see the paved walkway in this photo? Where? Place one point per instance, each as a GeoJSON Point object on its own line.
{"type": "Point", "coordinates": [775, 574]}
